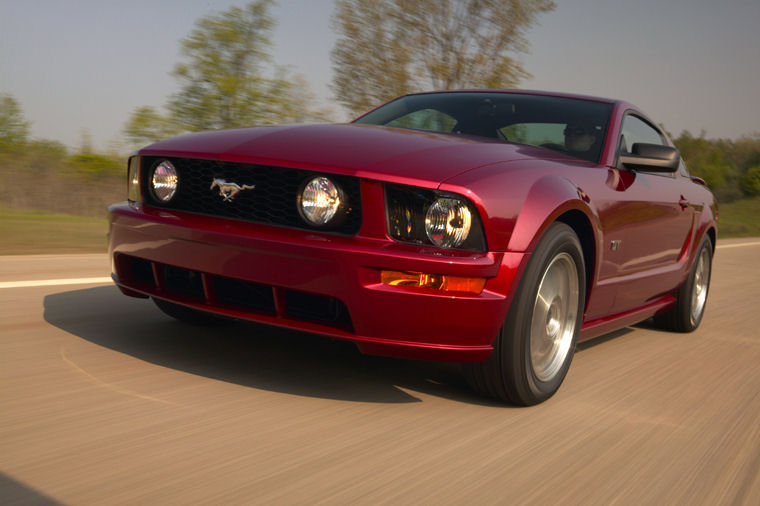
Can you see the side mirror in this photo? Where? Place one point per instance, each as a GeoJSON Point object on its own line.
{"type": "Point", "coordinates": [651, 158]}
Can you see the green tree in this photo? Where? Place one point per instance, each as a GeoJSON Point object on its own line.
{"type": "Point", "coordinates": [706, 159]}
{"type": "Point", "coordinates": [226, 80]}
{"type": "Point", "coordinates": [14, 129]}
{"type": "Point", "coordinates": [750, 182]}
{"type": "Point", "coordinates": [221, 75]}
{"type": "Point", "coordinates": [742, 153]}
{"type": "Point", "coordinates": [386, 49]}
{"type": "Point", "coordinates": [146, 126]}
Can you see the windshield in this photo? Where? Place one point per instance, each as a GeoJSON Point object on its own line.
{"type": "Point", "coordinates": [573, 126]}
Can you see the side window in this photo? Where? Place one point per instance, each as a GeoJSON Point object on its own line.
{"type": "Point", "coordinates": [683, 169]}
{"type": "Point", "coordinates": [425, 119]}
{"type": "Point", "coordinates": [637, 130]}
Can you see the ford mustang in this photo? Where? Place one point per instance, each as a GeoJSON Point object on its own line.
{"type": "Point", "coordinates": [493, 228]}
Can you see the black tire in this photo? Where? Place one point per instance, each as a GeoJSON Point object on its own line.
{"type": "Point", "coordinates": [510, 373]}
{"type": "Point", "coordinates": [190, 315]}
{"type": "Point", "coordinates": [691, 299]}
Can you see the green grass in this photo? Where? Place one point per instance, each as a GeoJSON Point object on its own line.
{"type": "Point", "coordinates": [740, 218]}
{"type": "Point", "coordinates": [24, 231]}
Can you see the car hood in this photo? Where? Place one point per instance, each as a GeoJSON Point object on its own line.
{"type": "Point", "coordinates": [369, 151]}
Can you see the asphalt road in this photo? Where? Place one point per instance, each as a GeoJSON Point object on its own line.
{"type": "Point", "coordinates": [105, 400]}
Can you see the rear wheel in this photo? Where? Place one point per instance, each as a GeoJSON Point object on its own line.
{"type": "Point", "coordinates": [691, 299]}
{"type": "Point", "coordinates": [535, 346]}
{"type": "Point", "coordinates": [189, 315]}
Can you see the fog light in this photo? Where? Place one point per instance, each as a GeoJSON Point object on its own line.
{"type": "Point", "coordinates": [319, 201]}
{"type": "Point", "coordinates": [163, 181]}
{"type": "Point", "coordinates": [442, 282]}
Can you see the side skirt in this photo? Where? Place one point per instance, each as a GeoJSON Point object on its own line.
{"type": "Point", "coordinates": [601, 326]}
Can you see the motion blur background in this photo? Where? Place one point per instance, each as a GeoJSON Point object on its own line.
{"type": "Point", "coordinates": [83, 83]}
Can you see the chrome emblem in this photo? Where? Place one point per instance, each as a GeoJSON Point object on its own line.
{"type": "Point", "coordinates": [229, 190]}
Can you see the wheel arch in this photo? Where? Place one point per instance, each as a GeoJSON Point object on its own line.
{"type": "Point", "coordinates": [712, 234]}
{"type": "Point", "coordinates": [581, 225]}
{"type": "Point", "coordinates": [556, 199]}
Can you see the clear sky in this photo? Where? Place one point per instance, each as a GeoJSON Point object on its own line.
{"type": "Point", "coordinates": [86, 64]}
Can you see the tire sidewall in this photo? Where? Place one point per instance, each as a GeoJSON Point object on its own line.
{"type": "Point", "coordinates": [688, 287]}
{"type": "Point", "coordinates": [559, 238]}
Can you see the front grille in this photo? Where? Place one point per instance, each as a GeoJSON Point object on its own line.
{"type": "Point", "coordinates": [273, 200]}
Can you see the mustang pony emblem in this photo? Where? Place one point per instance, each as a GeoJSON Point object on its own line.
{"type": "Point", "coordinates": [229, 190]}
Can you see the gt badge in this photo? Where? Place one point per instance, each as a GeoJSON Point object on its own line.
{"type": "Point", "coordinates": [229, 190]}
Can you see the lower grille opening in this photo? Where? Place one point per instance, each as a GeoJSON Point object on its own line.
{"type": "Point", "coordinates": [141, 272]}
{"type": "Point", "coordinates": [318, 308]}
{"type": "Point", "coordinates": [178, 284]}
{"type": "Point", "coordinates": [183, 282]}
{"type": "Point", "coordinates": [244, 295]}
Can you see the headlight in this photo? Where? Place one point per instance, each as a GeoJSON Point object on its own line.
{"type": "Point", "coordinates": [133, 179]}
{"type": "Point", "coordinates": [448, 222]}
{"type": "Point", "coordinates": [163, 181]}
{"type": "Point", "coordinates": [422, 216]}
{"type": "Point", "coordinates": [320, 201]}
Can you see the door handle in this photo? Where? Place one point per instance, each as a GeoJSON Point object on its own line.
{"type": "Point", "coordinates": [683, 202]}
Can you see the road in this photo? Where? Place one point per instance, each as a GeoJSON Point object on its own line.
{"type": "Point", "coordinates": [104, 400]}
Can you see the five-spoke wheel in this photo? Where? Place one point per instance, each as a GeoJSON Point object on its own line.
{"type": "Point", "coordinates": [533, 351]}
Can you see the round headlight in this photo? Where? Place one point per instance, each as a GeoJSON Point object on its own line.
{"type": "Point", "coordinates": [320, 200]}
{"type": "Point", "coordinates": [163, 181]}
{"type": "Point", "coordinates": [448, 222]}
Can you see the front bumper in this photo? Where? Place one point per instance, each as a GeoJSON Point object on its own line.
{"type": "Point", "coordinates": [290, 265]}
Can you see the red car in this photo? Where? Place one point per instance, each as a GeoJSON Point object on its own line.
{"type": "Point", "coordinates": [492, 228]}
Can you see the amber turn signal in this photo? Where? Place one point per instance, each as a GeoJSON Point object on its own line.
{"type": "Point", "coordinates": [440, 282]}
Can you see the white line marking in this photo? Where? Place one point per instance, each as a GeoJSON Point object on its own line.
{"type": "Point", "coordinates": [726, 246]}
{"type": "Point", "coordinates": [54, 282]}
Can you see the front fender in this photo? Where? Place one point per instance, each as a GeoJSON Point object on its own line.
{"type": "Point", "coordinates": [548, 199]}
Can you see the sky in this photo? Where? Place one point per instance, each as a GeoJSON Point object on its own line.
{"type": "Point", "coordinates": [84, 65]}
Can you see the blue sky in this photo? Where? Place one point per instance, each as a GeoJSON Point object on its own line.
{"type": "Point", "coordinates": [86, 64]}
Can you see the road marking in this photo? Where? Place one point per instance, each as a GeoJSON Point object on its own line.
{"type": "Point", "coordinates": [726, 246]}
{"type": "Point", "coordinates": [55, 282]}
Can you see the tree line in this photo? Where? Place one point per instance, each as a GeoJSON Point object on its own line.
{"type": "Point", "coordinates": [731, 168]}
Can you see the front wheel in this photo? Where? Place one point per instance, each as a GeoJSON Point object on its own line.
{"type": "Point", "coordinates": [535, 346]}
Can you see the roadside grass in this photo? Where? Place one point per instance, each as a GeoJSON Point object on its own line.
{"type": "Point", "coordinates": [24, 231]}
{"type": "Point", "coordinates": [740, 218]}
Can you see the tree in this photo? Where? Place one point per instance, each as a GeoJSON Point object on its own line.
{"type": "Point", "coordinates": [750, 182]}
{"type": "Point", "coordinates": [386, 49]}
{"type": "Point", "coordinates": [222, 83]}
{"type": "Point", "coordinates": [705, 158]}
{"type": "Point", "coordinates": [14, 129]}
{"type": "Point", "coordinates": [146, 126]}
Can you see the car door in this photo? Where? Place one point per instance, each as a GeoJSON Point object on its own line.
{"type": "Point", "coordinates": [653, 224]}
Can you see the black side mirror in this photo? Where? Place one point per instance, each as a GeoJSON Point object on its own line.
{"type": "Point", "coordinates": [651, 158]}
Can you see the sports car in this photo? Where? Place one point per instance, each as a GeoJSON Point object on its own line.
{"type": "Point", "coordinates": [496, 228]}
